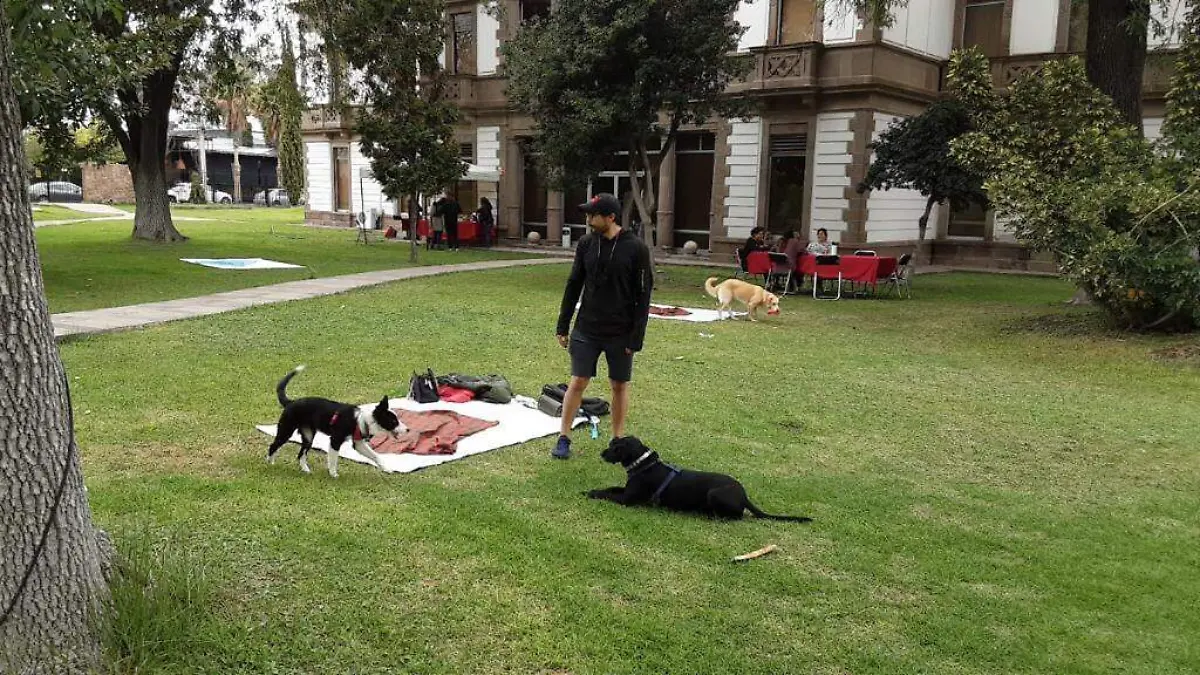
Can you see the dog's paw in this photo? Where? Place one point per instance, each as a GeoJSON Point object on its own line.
{"type": "Point", "coordinates": [305, 469]}
{"type": "Point", "coordinates": [333, 474]}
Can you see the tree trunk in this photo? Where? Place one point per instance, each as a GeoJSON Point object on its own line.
{"type": "Point", "coordinates": [414, 219]}
{"type": "Point", "coordinates": [139, 122]}
{"type": "Point", "coordinates": [922, 228]}
{"type": "Point", "coordinates": [152, 215]}
{"type": "Point", "coordinates": [1116, 54]}
{"type": "Point", "coordinates": [1082, 297]}
{"type": "Point", "coordinates": [51, 626]}
{"type": "Point", "coordinates": [237, 177]}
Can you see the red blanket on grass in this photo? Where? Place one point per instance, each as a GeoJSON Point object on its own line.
{"type": "Point", "coordinates": [669, 311]}
{"type": "Point", "coordinates": [431, 432]}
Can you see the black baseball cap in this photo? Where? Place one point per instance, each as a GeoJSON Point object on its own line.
{"type": "Point", "coordinates": [603, 204]}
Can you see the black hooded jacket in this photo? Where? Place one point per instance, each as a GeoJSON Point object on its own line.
{"type": "Point", "coordinates": [616, 280]}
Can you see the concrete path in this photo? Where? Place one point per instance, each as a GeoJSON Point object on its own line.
{"type": "Point", "coordinates": [134, 316]}
{"type": "Point", "coordinates": [96, 209]}
{"type": "Point", "coordinates": [102, 219]}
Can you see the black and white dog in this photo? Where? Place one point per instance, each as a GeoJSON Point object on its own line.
{"type": "Point", "coordinates": [339, 421]}
{"type": "Point", "coordinates": [652, 482]}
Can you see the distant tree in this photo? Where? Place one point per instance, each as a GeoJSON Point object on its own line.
{"type": "Point", "coordinates": [914, 154]}
{"type": "Point", "coordinates": [126, 63]}
{"type": "Point", "coordinates": [602, 77]}
{"type": "Point", "coordinates": [406, 122]}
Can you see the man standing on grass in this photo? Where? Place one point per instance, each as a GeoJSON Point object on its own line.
{"type": "Point", "coordinates": [612, 270]}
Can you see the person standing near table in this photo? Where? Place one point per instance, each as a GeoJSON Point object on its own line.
{"type": "Point", "coordinates": [612, 272]}
{"type": "Point", "coordinates": [486, 219]}
{"type": "Point", "coordinates": [450, 213]}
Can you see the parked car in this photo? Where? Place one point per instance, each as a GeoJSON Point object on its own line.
{"type": "Point", "coordinates": [273, 197]}
{"type": "Point", "coordinates": [55, 191]}
{"type": "Point", "coordinates": [182, 192]}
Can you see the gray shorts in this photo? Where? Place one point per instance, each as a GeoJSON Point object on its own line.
{"type": "Point", "coordinates": [585, 353]}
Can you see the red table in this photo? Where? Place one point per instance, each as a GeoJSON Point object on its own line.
{"type": "Point", "coordinates": [859, 269]}
{"type": "Point", "coordinates": [468, 230]}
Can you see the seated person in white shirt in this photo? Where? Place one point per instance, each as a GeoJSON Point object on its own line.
{"type": "Point", "coordinates": [821, 245]}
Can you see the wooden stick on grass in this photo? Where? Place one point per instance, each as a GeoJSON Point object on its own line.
{"type": "Point", "coordinates": [757, 554]}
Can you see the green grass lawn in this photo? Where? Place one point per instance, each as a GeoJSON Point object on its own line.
{"type": "Point", "coordinates": [999, 486]}
{"type": "Point", "coordinates": [92, 265]}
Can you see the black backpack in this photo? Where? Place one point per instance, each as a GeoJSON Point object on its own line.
{"type": "Point", "coordinates": [422, 388]}
{"type": "Point", "coordinates": [596, 407]}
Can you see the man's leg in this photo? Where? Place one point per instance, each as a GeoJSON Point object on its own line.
{"type": "Point", "coordinates": [572, 401]}
{"type": "Point", "coordinates": [620, 372]}
{"type": "Point", "coordinates": [584, 355]}
{"type": "Point", "coordinates": [620, 406]}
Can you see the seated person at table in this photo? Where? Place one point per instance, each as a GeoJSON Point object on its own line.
{"type": "Point", "coordinates": [792, 247]}
{"type": "Point", "coordinates": [821, 245]}
{"type": "Point", "coordinates": [756, 242]}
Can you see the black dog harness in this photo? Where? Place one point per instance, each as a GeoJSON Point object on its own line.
{"type": "Point", "coordinates": [361, 428]}
{"type": "Point", "coordinates": [666, 481]}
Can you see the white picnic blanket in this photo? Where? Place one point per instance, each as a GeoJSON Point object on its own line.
{"type": "Point", "coordinates": [696, 315]}
{"type": "Point", "coordinates": [241, 263]}
{"type": "Point", "coordinates": [518, 424]}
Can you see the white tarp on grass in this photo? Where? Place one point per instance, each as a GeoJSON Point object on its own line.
{"type": "Point", "coordinates": [241, 263]}
{"type": "Point", "coordinates": [517, 424]}
{"type": "Point", "coordinates": [696, 315]}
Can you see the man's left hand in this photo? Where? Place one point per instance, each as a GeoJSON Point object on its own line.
{"type": "Point", "coordinates": [628, 351]}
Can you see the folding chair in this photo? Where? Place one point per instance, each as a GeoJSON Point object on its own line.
{"type": "Point", "coordinates": [828, 268]}
{"type": "Point", "coordinates": [901, 278]}
{"type": "Point", "coordinates": [740, 271]}
{"type": "Point", "coordinates": [364, 228]}
{"type": "Point", "coordinates": [758, 264]}
{"type": "Point", "coordinates": [780, 267]}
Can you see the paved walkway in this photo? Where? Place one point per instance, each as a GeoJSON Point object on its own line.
{"type": "Point", "coordinates": [133, 316]}
{"type": "Point", "coordinates": [97, 209]}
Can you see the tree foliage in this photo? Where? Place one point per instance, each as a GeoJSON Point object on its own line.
{"type": "Point", "coordinates": [1073, 178]}
{"type": "Point", "coordinates": [601, 77]}
{"type": "Point", "coordinates": [914, 154]}
{"type": "Point", "coordinates": [126, 63]}
{"type": "Point", "coordinates": [406, 122]}
{"type": "Point", "coordinates": [288, 109]}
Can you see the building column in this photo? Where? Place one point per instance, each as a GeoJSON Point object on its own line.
{"type": "Point", "coordinates": [863, 126]}
{"type": "Point", "coordinates": [554, 217]}
{"type": "Point", "coordinates": [666, 202]}
{"type": "Point", "coordinates": [509, 218]}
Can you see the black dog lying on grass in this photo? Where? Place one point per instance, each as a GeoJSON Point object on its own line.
{"type": "Point", "coordinates": [652, 482]}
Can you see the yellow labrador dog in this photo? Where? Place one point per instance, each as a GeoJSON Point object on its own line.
{"type": "Point", "coordinates": [748, 294]}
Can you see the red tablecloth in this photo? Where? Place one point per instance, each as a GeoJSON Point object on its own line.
{"type": "Point", "coordinates": [422, 228]}
{"type": "Point", "coordinates": [468, 231]}
{"type": "Point", "coordinates": [860, 269]}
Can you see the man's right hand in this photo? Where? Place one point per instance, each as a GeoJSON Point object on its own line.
{"type": "Point", "coordinates": [563, 341]}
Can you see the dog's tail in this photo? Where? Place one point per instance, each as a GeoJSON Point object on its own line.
{"type": "Point", "coordinates": [710, 286]}
{"type": "Point", "coordinates": [758, 513]}
{"type": "Point", "coordinates": [281, 388]}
